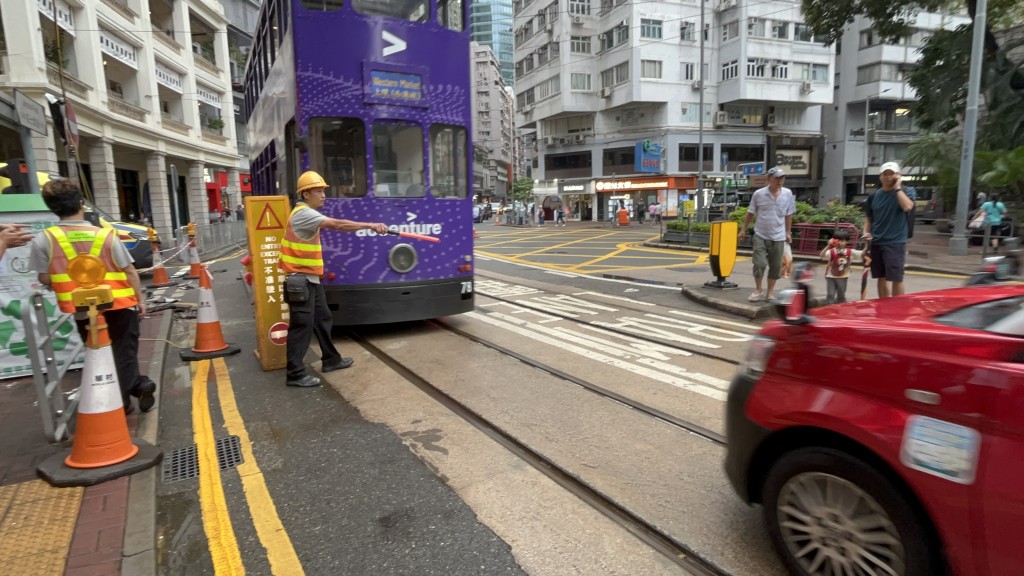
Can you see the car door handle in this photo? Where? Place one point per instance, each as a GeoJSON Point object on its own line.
{"type": "Point", "coordinates": [922, 396]}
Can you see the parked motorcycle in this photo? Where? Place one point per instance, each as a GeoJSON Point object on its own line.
{"type": "Point", "coordinates": [1005, 268]}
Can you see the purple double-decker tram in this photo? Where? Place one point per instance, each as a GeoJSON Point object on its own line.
{"type": "Point", "coordinates": [375, 96]}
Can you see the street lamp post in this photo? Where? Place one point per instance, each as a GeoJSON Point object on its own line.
{"type": "Point", "coordinates": [864, 169]}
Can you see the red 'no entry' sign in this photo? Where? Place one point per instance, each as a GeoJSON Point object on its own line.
{"type": "Point", "coordinates": [279, 333]}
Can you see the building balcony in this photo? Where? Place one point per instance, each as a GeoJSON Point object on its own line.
{"type": "Point", "coordinates": [209, 135]}
{"type": "Point", "coordinates": [174, 124]}
{"type": "Point", "coordinates": [118, 106]}
{"type": "Point", "coordinates": [71, 84]}
{"type": "Point", "coordinates": [167, 39]}
{"type": "Point", "coordinates": [122, 8]}
{"type": "Point", "coordinates": [206, 65]}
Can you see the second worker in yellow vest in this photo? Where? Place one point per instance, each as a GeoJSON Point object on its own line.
{"type": "Point", "coordinates": [50, 254]}
{"type": "Point", "coordinates": [302, 259]}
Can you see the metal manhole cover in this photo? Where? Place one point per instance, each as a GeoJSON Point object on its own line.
{"type": "Point", "coordinates": [183, 463]}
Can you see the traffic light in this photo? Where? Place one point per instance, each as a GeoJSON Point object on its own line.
{"type": "Point", "coordinates": [16, 171]}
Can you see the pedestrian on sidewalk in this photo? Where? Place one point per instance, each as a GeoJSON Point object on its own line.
{"type": "Point", "coordinates": [772, 209]}
{"type": "Point", "coordinates": [886, 226]}
{"type": "Point", "coordinates": [559, 216]}
{"type": "Point", "coordinates": [12, 236]}
{"type": "Point", "coordinates": [994, 211]}
{"type": "Point", "coordinates": [302, 260]}
{"type": "Point", "coordinates": [837, 272]}
{"type": "Point", "coordinates": [53, 250]}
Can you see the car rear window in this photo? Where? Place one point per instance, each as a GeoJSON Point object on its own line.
{"type": "Point", "coordinates": [1004, 316]}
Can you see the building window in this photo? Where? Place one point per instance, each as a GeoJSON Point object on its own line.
{"type": "Point", "coordinates": [689, 113]}
{"type": "Point", "coordinates": [730, 30]}
{"type": "Point", "coordinates": [650, 69]}
{"type": "Point", "coordinates": [615, 75]}
{"type": "Point", "coordinates": [580, 44]}
{"type": "Point", "coordinates": [621, 34]}
{"type": "Point", "coordinates": [780, 70]}
{"type": "Point", "coordinates": [803, 33]}
{"type": "Point", "coordinates": [688, 153]}
{"type": "Point", "coordinates": [730, 70]}
{"type": "Point", "coordinates": [650, 28]}
{"type": "Point", "coordinates": [757, 67]}
{"type": "Point", "coordinates": [756, 28]}
{"type": "Point", "coordinates": [579, 7]}
{"type": "Point", "coordinates": [580, 82]}
{"type": "Point", "coordinates": [689, 70]}
{"type": "Point", "coordinates": [879, 72]}
{"type": "Point", "coordinates": [780, 30]}
{"type": "Point", "coordinates": [687, 32]}
{"type": "Point", "coordinates": [867, 38]}
{"type": "Point", "coordinates": [549, 87]}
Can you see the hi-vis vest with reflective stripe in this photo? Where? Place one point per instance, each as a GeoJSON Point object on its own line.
{"type": "Point", "coordinates": [300, 256]}
{"type": "Point", "coordinates": [87, 240]}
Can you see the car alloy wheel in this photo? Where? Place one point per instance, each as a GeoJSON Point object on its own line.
{"type": "Point", "coordinates": [830, 513]}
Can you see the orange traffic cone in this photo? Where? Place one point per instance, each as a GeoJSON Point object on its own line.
{"type": "Point", "coordinates": [101, 438]}
{"type": "Point", "coordinates": [196, 269]}
{"type": "Point", "coordinates": [209, 338]}
{"type": "Point", "coordinates": [160, 277]}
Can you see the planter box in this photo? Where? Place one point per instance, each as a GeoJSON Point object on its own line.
{"type": "Point", "coordinates": [691, 238]}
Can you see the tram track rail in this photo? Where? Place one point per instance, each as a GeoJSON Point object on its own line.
{"type": "Point", "coordinates": [651, 535]}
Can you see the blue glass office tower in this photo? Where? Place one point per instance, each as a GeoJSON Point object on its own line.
{"type": "Point", "coordinates": [490, 24]}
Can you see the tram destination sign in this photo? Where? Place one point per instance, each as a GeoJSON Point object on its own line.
{"type": "Point", "coordinates": [393, 87]}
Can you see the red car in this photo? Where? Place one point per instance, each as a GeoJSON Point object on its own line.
{"type": "Point", "coordinates": [887, 436]}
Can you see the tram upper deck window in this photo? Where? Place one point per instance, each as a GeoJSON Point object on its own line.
{"type": "Point", "coordinates": [449, 13]}
{"type": "Point", "coordinates": [322, 5]}
{"type": "Point", "coordinates": [448, 161]}
{"type": "Point", "coordinates": [397, 160]}
{"type": "Point", "coordinates": [337, 150]}
{"type": "Point", "coordinates": [411, 10]}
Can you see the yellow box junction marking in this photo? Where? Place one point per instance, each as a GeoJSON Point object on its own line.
{"type": "Point", "coordinates": [280, 552]}
{"type": "Point", "coordinates": [220, 534]}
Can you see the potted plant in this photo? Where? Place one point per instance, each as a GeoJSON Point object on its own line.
{"type": "Point", "coordinates": [215, 124]}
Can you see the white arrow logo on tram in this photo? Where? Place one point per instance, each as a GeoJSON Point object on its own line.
{"type": "Point", "coordinates": [395, 44]}
{"type": "Point", "coordinates": [409, 216]}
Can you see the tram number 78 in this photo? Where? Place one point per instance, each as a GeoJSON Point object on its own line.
{"type": "Point", "coordinates": [467, 287]}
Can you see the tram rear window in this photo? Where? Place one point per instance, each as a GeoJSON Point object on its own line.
{"type": "Point", "coordinates": [411, 10]}
{"type": "Point", "coordinates": [337, 150]}
{"type": "Point", "coordinates": [397, 160]}
{"type": "Point", "coordinates": [449, 13]}
{"type": "Point", "coordinates": [448, 164]}
{"type": "Point", "coordinates": [322, 5]}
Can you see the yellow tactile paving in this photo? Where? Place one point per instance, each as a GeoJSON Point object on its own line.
{"type": "Point", "coordinates": [37, 522]}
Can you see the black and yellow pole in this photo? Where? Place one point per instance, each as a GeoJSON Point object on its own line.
{"type": "Point", "coordinates": [723, 253]}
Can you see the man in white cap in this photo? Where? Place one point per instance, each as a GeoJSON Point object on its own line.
{"type": "Point", "coordinates": [886, 227]}
{"type": "Point", "coordinates": [772, 207]}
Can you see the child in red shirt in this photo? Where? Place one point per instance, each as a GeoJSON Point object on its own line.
{"type": "Point", "coordinates": [837, 271]}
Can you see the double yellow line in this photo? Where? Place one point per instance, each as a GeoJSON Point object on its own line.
{"type": "Point", "coordinates": [220, 534]}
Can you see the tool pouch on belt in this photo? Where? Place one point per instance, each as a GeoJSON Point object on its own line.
{"type": "Point", "coordinates": [295, 289]}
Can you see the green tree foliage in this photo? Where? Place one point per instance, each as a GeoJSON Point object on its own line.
{"type": "Point", "coordinates": [522, 189]}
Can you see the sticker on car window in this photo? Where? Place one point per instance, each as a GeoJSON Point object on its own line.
{"type": "Point", "coordinates": [941, 448]}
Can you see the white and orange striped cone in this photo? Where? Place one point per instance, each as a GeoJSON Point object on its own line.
{"type": "Point", "coordinates": [160, 277]}
{"type": "Point", "coordinates": [101, 436]}
{"type": "Point", "coordinates": [196, 265]}
{"type": "Point", "coordinates": [209, 338]}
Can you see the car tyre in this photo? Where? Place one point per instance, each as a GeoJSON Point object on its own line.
{"type": "Point", "coordinates": [826, 509]}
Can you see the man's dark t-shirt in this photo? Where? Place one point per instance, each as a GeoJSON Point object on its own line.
{"type": "Point", "coordinates": [889, 222]}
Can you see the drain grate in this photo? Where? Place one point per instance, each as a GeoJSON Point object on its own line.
{"type": "Point", "coordinates": [183, 463]}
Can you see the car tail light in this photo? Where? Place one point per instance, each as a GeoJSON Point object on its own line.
{"type": "Point", "coordinates": [758, 353]}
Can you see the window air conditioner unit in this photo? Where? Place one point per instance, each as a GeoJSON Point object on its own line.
{"type": "Point", "coordinates": [721, 118]}
{"type": "Point", "coordinates": [563, 141]}
{"type": "Point", "coordinates": [624, 23]}
{"type": "Point", "coordinates": [551, 26]}
{"type": "Point", "coordinates": [550, 140]}
{"type": "Point", "coordinates": [602, 36]}
{"type": "Point", "coordinates": [577, 19]}
{"type": "Point", "coordinates": [527, 109]}
{"type": "Point", "coordinates": [806, 86]}
{"type": "Point", "coordinates": [771, 120]}
{"type": "Point", "coordinates": [698, 84]}
{"type": "Point", "coordinates": [606, 92]}
{"type": "Point", "coordinates": [578, 138]}
{"type": "Point", "coordinates": [761, 61]}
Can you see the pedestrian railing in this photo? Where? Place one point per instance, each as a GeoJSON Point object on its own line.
{"type": "Point", "coordinates": [47, 373]}
{"type": "Point", "coordinates": [210, 237]}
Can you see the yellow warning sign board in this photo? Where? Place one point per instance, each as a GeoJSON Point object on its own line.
{"type": "Point", "coordinates": [265, 234]}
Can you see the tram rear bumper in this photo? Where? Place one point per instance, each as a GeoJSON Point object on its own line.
{"type": "Point", "coordinates": [383, 304]}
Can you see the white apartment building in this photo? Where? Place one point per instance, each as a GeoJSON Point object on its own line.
{"type": "Point", "coordinates": [492, 125]}
{"type": "Point", "coordinates": [150, 85]}
{"type": "Point", "coordinates": [596, 78]}
{"type": "Point", "coordinates": [870, 120]}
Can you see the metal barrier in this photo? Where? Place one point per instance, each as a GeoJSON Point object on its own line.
{"type": "Point", "coordinates": [812, 238]}
{"type": "Point", "coordinates": [46, 374]}
{"type": "Point", "coordinates": [210, 237]}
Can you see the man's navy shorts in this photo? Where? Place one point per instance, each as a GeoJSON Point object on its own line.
{"type": "Point", "coordinates": [887, 261]}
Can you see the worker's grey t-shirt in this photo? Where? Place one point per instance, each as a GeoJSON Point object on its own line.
{"type": "Point", "coordinates": [306, 223]}
{"type": "Point", "coordinates": [39, 250]}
